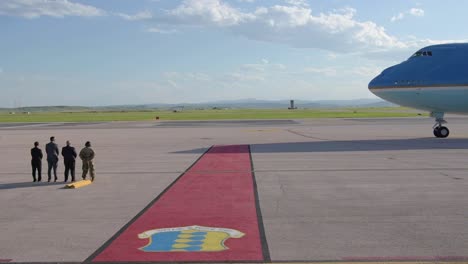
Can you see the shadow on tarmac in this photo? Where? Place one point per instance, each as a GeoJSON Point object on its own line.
{"type": "Point", "coordinates": [353, 145]}
{"type": "Point", "coordinates": [19, 185]}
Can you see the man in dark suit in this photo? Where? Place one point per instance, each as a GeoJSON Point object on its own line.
{"type": "Point", "coordinates": [52, 157]}
{"type": "Point", "coordinates": [69, 156]}
{"type": "Point", "coordinates": [36, 162]}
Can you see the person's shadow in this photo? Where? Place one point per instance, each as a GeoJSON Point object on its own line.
{"type": "Point", "coordinates": [18, 185]}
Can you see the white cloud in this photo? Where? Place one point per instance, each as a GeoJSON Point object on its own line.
{"type": "Point", "coordinates": [248, 73]}
{"type": "Point", "coordinates": [332, 55]}
{"type": "Point", "coordinates": [366, 71]}
{"type": "Point", "coordinates": [172, 83]}
{"type": "Point", "coordinates": [253, 68]}
{"type": "Point", "coordinates": [161, 31]}
{"type": "Point", "coordinates": [198, 76]}
{"type": "Point", "coordinates": [297, 2]}
{"type": "Point", "coordinates": [400, 16]}
{"type": "Point", "coordinates": [334, 31]}
{"type": "Point", "coordinates": [37, 8]}
{"type": "Point", "coordinates": [193, 12]}
{"type": "Point", "coordinates": [174, 78]}
{"type": "Point", "coordinates": [327, 71]}
{"type": "Point", "coordinates": [244, 77]}
{"type": "Point", "coordinates": [293, 24]}
{"type": "Point", "coordinates": [418, 12]}
{"type": "Point", "coordinates": [138, 16]}
{"type": "Point", "coordinates": [255, 71]}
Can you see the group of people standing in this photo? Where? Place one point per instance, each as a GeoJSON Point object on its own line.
{"type": "Point", "coordinates": [69, 156]}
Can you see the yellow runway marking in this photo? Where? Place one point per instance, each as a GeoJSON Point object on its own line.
{"type": "Point", "coordinates": [78, 184]}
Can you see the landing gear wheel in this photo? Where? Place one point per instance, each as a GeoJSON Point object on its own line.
{"type": "Point", "coordinates": [443, 132]}
{"type": "Point", "coordinates": [439, 130]}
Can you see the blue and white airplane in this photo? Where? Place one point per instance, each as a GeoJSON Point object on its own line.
{"type": "Point", "coordinates": [434, 79]}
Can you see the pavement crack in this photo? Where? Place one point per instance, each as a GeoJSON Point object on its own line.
{"type": "Point", "coordinates": [304, 135]}
{"type": "Point", "coordinates": [277, 206]}
{"type": "Point", "coordinates": [283, 192]}
{"type": "Point", "coordinates": [449, 176]}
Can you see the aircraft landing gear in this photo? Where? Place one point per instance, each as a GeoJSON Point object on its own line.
{"type": "Point", "coordinates": [440, 131]}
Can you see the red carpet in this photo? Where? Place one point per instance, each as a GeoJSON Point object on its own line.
{"type": "Point", "coordinates": [216, 192]}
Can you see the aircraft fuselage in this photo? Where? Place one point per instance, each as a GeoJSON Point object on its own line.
{"type": "Point", "coordinates": [434, 79]}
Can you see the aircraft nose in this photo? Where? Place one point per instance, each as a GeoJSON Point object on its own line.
{"type": "Point", "coordinates": [382, 79]}
{"type": "Point", "coordinates": [376, 82]}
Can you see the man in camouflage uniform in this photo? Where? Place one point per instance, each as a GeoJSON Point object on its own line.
{"type": "Point", "coordinates": [87, 156]}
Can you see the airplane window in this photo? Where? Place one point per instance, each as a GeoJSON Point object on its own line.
{"type": "Point", "coordinates": [422, 53]}
{"type": "Point", "coordinates": [417, 54]}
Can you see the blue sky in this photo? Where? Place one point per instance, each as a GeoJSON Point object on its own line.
{"type": "Point", "coordinates": [101, 52]}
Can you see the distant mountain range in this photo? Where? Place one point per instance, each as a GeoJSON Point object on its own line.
{"type": "Point", "coordinates": [243, 103]}
{"type": "Point", "coordinates": [254, 103]}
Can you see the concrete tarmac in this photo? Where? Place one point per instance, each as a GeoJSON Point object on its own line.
{"type": "Point", "coordinates": [328, 189]}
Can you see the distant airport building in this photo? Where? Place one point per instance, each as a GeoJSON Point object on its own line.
{"type": "Point", "coordinates": [291, 105]}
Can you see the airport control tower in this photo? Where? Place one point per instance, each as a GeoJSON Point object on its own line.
{"type": "Point", "coordinates": [291, 105]}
